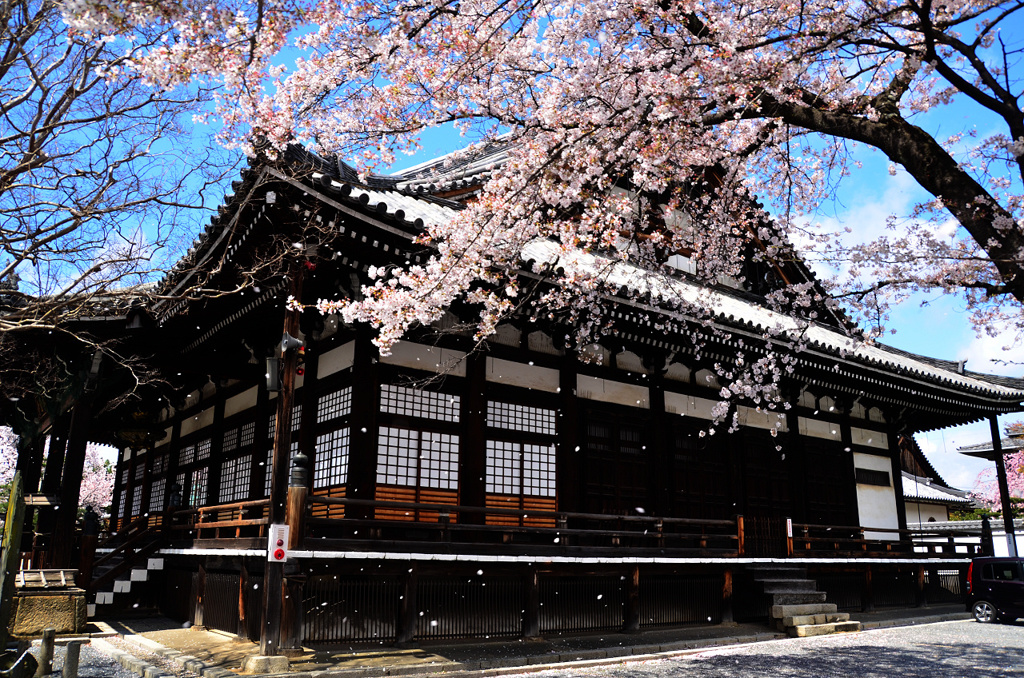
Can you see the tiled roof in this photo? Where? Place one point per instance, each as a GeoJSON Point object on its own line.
{"type": "Point", "coordinates": [1008, 445]}
{"type": "Point", "coordinates": [923, 489]}
{"type": "Point", "coordinates": [744, 313]}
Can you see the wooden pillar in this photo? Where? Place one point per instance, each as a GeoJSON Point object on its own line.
{"type": "Point", "coordinates": [473, 451]}
{"type": "Point", "coordinates": [897, 480]}
{"type": "Point", "coordinates": [793, 446]}
{"type": "Point", "coordinates": [569, 454]}
{"type": "Point", "coordinates": [405, 624]}
{"type": "Point", "coordinates": [243, 607]}
{"type": "Point", "coordinates": [261, 434]}
{"type": "Point", "coordinates": [216, 451]}
{"type": "Point", "coordinates": [727, 613]}
{"type": "Point", "coordinates": [531, 603]}
{"type": "Point", "coordinates": [1004, 490]}
{"type": "Point", "coordinates": [921, 595]}
{"type": "Point", "coordinates": [867, 603]}
{"type": "Point", "coordinates": [631, 616]}
{"type": "Point", "coordinates": [50, 485]}
{"type": "Point", "coordinates": [660, 452]}
{"type": "Point", "coordinates": [62, 549]}
{"type": "Point", "coordinates": [273, 580]}
{"type": "Point", "coordinates": [30, 465]}
{"type": "Point", "coordinates": [197, 618]}
{"type": "Point", "coordinates": [308, 398]}
{"type": "Point", "coordinates": [362, 461]}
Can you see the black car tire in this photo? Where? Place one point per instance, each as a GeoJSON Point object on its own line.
{"type": "Point", "coordinates": [984, 612]}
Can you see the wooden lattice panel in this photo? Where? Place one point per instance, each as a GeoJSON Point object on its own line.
{"type": "Point", "coordinates": [421, 495]}
{"type": "Point", "coordinates": [329, 510]}
{"type": "Point", "coordinates": [528, 504]}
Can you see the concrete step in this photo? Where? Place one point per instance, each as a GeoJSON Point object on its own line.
{"type": "Point", "coordinates": [823, 629]}
{"type": "Point", "coordinates": [800, 598]}
{"type": "Point", "coordinates": [782, 611]}
{"type": "Point", "coordinates": [789, 585]}
{"type": "Point", "coordinates": [810, 619]}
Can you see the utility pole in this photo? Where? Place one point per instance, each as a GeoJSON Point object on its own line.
{"type": "Point", "coordinates": [270, 638]}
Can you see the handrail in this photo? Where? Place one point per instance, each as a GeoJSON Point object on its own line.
{"type": "Point", "coordinates": [456, 508]}
{"type": "Point", "coordinates": [126, 530]}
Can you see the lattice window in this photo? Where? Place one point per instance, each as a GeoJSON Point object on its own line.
{"type": "Point", "coordinates": [423, 458]}
{"type": "Point", "coordinates": [137, 500]}
{"type": "Point", "coordinates": [513, 468]}
{"type": "Point", "coordinates": [504, 467]}
{"type": "Point", "coordinates": [203, 448]}
{"type": "Point", "coordinates": [331, 459]}
{"type": "Point", "coordinates": [197, 489]}
{"type": "Point", "coordinates": [272, 427]}
{"type": "Point", "coordinates": [157, 493]}
{"type": "Point", "coordinates": [522, 418]}
{"type": "Point", "coordinates": [296, 417]}
{"type": "Point", "coordinates": [140, 471]}
{"type": "Point", "coordinates": [187, 455]}
{"type": "Point", "coordinates": [124, 505]}
{"type": "Point", "coordinates": [159, 464]}
{"type": "Point", "coordinates": [234, 479]}
{"type": "Point", "coordinates": [248, 436]}
{"type": "Point", "coordinates": [413, 402]}
{"type": "Point", "coordinates": [334, 405]}
{"type": "Point", "coordinates": [230, 440]}
{"type": "Point", "coordinates": [539, 470]}
{"type": "Point", "coordinates": [269, 466]}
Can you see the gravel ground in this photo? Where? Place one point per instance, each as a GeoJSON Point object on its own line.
{"type": "Point", "coordinates": [96, 662]}
{"type": "Point", "coordinates": [954, 649]}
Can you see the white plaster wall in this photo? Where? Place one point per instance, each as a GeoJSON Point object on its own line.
{"type": "Point", "coordinates": [429, 358]}
{"type": "Point", "coordinates": [816, 428]}
{"type": "Point", "coordinates": [608, 391]}
{"type": "Point", "coordinates": [522, 375]}
{"type": "Point", "coordinates": [336, 360]}
{"type": "Point", "coordinates": [867, 438]}
{"type": "Point", "coordinates": [918, 513]}
{"type": "Point", "coordinates": [197, 422]}
{"type": "Point", "coordinates": [241, 402]}
{"type": "Point", "coordinates": [689, 406]}
{"type": "Point", "coordinates": [750, 416]}
{"type": "Point", "coordinates": [876, 505]}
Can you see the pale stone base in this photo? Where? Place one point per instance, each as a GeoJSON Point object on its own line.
{"type": "Point", "coordinates": [264, 664]}
{"type": "Point", "coordinates": [64, 611]}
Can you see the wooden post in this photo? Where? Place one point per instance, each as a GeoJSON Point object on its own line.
{"type": "Point", "coordinates": [789, 537]}
{"type": "Point", "coordinates": [473, 455]}
{"type": "Point", "coordinates": [295, 517]}
{"type": "Point", "coordinates": [243, 607]}
{"type": "Point", "coordinates": [922, 595]}
{"type": "Point", "coordinates": [531, 606]}
{"type": "Point", "coordinates": [727, 614]}
{"type": "Point", "coordinates": [867, 603]}
{"type": "Point", "coordinates": [197, 618]}
{"type": "Point", "coordinates": [11, 556]}
{"type": "Point", "coordinates": [62, 547]}
{"type": "Point", "coordinates": [273, 579]}
{"type": "Point", "coordinates": [405, 624]}
{"type": "Point", "coordinates": [1004, 489]}
{"type": "Point", "coordinates": [740, 536]}
{"type": "Point", "coordinates": [631, 618]}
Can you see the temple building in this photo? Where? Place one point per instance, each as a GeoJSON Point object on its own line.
{"type": "Point", "coordinates": [519, 488]}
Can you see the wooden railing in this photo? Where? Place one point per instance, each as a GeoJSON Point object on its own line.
{"type": "Point", "coordinates": [555, 530]}
{"type": "Point", "coordinates": [850, 541]}
{"type": "Point", "coordinates": [222, 521]}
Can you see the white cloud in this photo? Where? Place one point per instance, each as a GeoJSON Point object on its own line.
{"type": "Point", "coordinates": [988, 354]}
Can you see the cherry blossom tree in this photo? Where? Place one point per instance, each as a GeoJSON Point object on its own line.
{"type": "Point", "coordinates": [637, 130]}
{"type": "Point", "coordinates": [101, 185]}
{"type": "Point", "coordinates": [988, 486]}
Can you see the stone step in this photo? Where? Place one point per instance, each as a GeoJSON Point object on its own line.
{"type": "Point", "coordinates": [789, 585]}
{"type": "Point", "coordinates": [782, 611]}
{"type": "Point", "coordinates": [800, 598]}
{"type": "Point", "coordinates": [810, 619]}
{"type": "Point", "coordinates": [823, 629]}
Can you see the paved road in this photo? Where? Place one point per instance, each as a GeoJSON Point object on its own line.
{"type": "Point", "coordinates": [955, 649]}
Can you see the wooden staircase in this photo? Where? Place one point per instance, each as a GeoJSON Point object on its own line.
{"type": "Point", "coordinates": [126, 560]}
{"type": "Point", "coordinates": [798, 608]}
